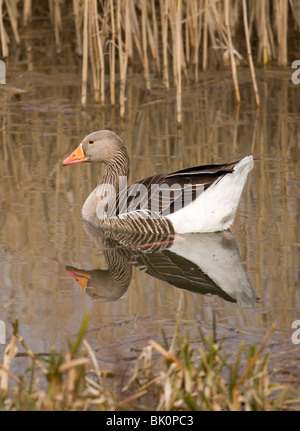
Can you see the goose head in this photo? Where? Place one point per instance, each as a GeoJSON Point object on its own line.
{"type": "Point", "coordinates": [102, 146]}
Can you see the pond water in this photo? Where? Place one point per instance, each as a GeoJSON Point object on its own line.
{"type": "Point", "coordinates": [43, 240]}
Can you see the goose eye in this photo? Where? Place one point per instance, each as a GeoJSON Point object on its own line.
{"type": "Point", "coordinates": [91, 141]}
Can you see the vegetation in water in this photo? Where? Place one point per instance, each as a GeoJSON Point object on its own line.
{"type": "Point", "coordinates": [173, 40]}
{"type": "Point", "coordinates": [177, 374]}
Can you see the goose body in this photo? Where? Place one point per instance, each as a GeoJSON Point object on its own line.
{"type": "Point", "coordinates": [197, 199]}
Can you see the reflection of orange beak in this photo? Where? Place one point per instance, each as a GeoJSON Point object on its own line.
{"type": "Point", "coordinates": [76, 157]}
{"type": "Point", "coordinates": [80, 276]}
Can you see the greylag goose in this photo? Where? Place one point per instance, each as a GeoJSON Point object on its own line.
{"type": "Point", "coordinates": [197, 199]}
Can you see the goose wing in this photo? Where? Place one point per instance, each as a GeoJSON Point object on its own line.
{"type": "Point", "coordinates": [166, 193]}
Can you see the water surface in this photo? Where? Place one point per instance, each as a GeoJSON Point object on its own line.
{"type": "Point", "coordinates": [43, 239]}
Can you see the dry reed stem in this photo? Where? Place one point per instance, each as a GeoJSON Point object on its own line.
{"type": "Point", "coordinates": [9, 374]}
{"type": "Point", "coordinates": [167, 354]}
{"type": "Point", "coordinates": [112, 60]}
{"type": "Point", "coordinates": [123, 55]}
{"type": "Point", "coordinates": [145, 44]}
{"type": "Point", "coordinates": [13, 14]}
{"type": "Point", "coordinates": [85, 54]}
{"type": "Point", "coordinates": [57, 25]}
{"type": "Point", "coordinates": [27, 11]}
{"type": "Point", "coordinates": [77, 21]}
{"type": "Point", "coordinates": [94, 50]}
{"type": "Point", "coordinates": [155, 51]}
{"type": "Point", "coordinates": [93, 359]}
{"type": "Point", "coordinates": [135, 31]}
{"type": "Point", "coordinates": [93, 60]}
{"type": "Point", "coordinates": [295, 7]}
{"type": "Point", "coordinates": [9, 354]}
{"type": "Point", "coordinates": [250, 54]}
{"type": "Point", "coordinates": [177, 58]}
{"type": "Point", "coordinates": [188, 36]}
{"type": "Point", "coordinates": [99, 53]}
{"type": "Point", "coordinates": [128, 33]}
{"type": "Point", "coordinates": [31, 354]}
{"type": "Point", "coordinates": [73, 363]}
{"type": "Point", "coordinates": [164, 30]}
{"type": "Point", "coordinates": [205, 36]}
{"type": "Point", "coordinates": [197, 7]}
{"type": "Point", "coordinates": [281, 17]}
{"type": "Point", "coordinates": [264, 32]}
{"type": "Point", "coordinates": [232, 58]}
{"type": "Point", "coordinates": [4, 40]}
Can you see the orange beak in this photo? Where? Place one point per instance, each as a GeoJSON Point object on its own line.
{"type": "Point", "coordinates": [81, 277]}
{"type": "Point", "coordinates": [76, 157]}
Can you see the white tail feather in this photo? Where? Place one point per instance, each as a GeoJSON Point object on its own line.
{"type": "Point", "coordinates": [214, 210]}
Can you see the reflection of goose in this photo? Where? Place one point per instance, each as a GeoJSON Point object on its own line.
{"type": "Point", "coordinates": [109, 284]}
{"type": "Point", "coordinates": [200, 263]}
{"type": "Point", "coordinates": [198, 199]}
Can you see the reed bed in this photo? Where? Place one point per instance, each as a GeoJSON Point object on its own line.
{"type": "Point", "coordinates": [176, 375]}
{"type": "Point", "coordinates": [172, 40]}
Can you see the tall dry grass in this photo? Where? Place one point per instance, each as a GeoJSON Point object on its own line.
{"type": "Point", "coordinates": [170, 39]}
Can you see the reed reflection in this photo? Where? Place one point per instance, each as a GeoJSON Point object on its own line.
{"type": "Point", "coordinates": [199, 263]}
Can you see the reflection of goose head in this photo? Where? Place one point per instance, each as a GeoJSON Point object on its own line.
{"type": "Point", "coordinates": [109, 284]}
{"type": "Point", "coordinates": [200, 263]}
